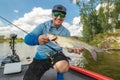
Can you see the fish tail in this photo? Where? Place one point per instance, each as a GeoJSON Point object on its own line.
{"type": "Point", "coordinates": [98, 50]}
{"type": "Point", "coordinates": [94, 54]}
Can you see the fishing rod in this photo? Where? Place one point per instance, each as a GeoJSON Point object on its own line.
{"type": "Point", "coordinates": [21, 29]}
{"type": "Point", "coordinates": [14, 57]}
{"type": "Point", "coordinates": [13, 24]}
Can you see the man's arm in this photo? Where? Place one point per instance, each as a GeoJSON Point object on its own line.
{"type": "Point", "coordinates": [32, 37]}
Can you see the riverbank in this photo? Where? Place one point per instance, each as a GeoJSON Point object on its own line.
{"type": "Point", "coordinates": [8, 40]}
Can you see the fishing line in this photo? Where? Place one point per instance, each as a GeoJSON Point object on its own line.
{"type": "Point", "coordinates": [13, 24]}
{"type": "Point", "coordinates": [23, 30]}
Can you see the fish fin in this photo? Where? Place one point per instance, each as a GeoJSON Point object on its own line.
{"type": "Point", "coordinates": [94, 54]}
{"type": "Point", "coordinates": [98, 50]}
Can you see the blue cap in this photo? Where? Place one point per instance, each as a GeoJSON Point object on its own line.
{"type": "Point", "coordinates": [59, 8]}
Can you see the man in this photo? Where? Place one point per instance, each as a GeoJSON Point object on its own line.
{"type": "Point", "coordinates": [42, 62]}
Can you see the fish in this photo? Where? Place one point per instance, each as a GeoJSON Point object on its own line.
{"type": "Point", "coordinates": [71, 42]}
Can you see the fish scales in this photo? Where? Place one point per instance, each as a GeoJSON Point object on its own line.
{"type": "Point", "coordinates": [68, 42]}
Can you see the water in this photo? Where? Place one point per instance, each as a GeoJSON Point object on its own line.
{"type": "Point", "coordinates": [25, 51]}
{"type": "Point", "coordinates": [22, 50]}
{"type": "Point", "coordinates": [108, 64]}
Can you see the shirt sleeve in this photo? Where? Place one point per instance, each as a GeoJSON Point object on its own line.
{"type": "Point", "coordinates": [32, 37]}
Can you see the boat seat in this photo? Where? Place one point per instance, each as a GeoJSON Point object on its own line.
{"type": "Point", "coordinates": [10, 68]}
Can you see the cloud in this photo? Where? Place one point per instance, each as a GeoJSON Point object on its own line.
{"type": "Point", "coordinates": [75, 28]}
{"type": "Point", "coordinates": [1, 24]}
{"type": "Point", "coordinates": [31, 19]}
{"type": "Point", "coordinates": [16, 11]}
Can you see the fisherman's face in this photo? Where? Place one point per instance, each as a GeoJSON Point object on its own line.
{"type": "Point", "coordinates": [58, 18]}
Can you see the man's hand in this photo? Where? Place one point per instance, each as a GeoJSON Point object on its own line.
{"type": "Point", "coordinates": [76, 50]}
{"type": "Point", "coordinates": [43, 39]}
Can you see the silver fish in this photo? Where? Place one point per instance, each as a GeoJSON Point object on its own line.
{"type": "Point", "coordinates": [74, 42]}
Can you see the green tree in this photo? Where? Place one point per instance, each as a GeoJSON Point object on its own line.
{"type": "Point", "coordinates": [116, 14]}
{"type": "Point", "coordinates": [101, 20]}
{"type": "Point", "coordinates": [89, 19]}
{"type": "Point", "coordinates": [108, 14]}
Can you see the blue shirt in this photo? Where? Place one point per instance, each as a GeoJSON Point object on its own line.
{"type": "Point", "coordinates": [44, 28]}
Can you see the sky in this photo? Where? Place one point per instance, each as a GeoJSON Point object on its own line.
{"type": "Point", "coordinates": [27, 14]}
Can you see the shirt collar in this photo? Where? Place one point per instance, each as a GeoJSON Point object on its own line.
{"type": "Point", "coordinates": [53, 26]}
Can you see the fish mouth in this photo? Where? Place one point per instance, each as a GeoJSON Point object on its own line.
{"type": "Point", "coordinates": [53, 39]}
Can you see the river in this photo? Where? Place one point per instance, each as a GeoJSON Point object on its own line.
{"type": "Point", "coordinates": [108, 63]}
{"type": "Point", "coordinates": [25, 51]}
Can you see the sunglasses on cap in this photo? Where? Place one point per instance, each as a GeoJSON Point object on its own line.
{"type": "Point", "coordinates": [56, 14]}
